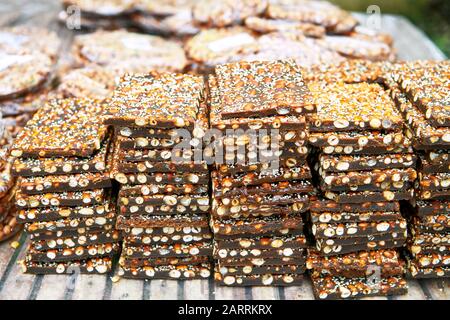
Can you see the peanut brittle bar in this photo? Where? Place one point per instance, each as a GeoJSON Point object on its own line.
{"type": "Point", "coordinates": [62, 128]}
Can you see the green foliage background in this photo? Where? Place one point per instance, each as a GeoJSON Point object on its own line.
{"type": "Point", "coordinates": [432, 16]}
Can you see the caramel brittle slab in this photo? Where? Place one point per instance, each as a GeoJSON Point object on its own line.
{"type": "Point", "coordinates": [264, 25]}
{"type": "Point", "coordinates": [329, 287]}
{"type": "Point", "coordinates": [369, 196]}
{"type": "Point", "coordinates": [167, 272]}
{"type": "Point", "coordinates": [64, 183]}
{"type": "Point", "coordinates": [423, 208]}
{"type": "Point", "coordinates": [332, 206]}
{"type": "Point", "coordinates": [291, 279]}
{"type": "Point", "coordinates": [397, 178]}
{"type": "Point", "coordinates": [344, 163]}
{"type": "Point", "coordinates": [88, 266]}
{"type": "Point", "coordinates": [57, 213]}
{"type": "Point", "coordinates": [373, 140]}
{"type": "Point", "coordinates": [61, 199]}
{"type": "Point", "coordinates": [357, 229]}
{"type": "Point", "coordinates": [225, 182]}
{"type": "Point", "coordinates": [255, 226]}
{"type": "Point", "coordinates": [81, 240]}
{"type": "Point", "coordinates": [346, 217]}
{"type": "Point", "coordinates": [427, 88]}
{"type": "Point", "coordinates": [128, 51]}
{"type": "Point", "coordinates": [160, 100]}
{"type": "Point", "coordinates": [153, 189]}
{"type": "Point", "coordinates": [62, 128]}
{"type": "Point", "coordinates": [168, 250]}
{"type": "Point", "coordinates": [33, 167]}
{"type": "Point", "coordinates": [226, 270]}
{"type": "Point", "coordinates": [101, 8]}
{"type": "Point", "coordinates": [220, 45]}
{"type": "Point", "coordinates": [257, 253]}
{"type": "Point", "coordinates": [357, 264]}
{"type": "Point", "coordinates": [23, 72]}
{"type": "Point", "coordinates": [212, 13]}
{"type": "Point", "coordinates": [155, 222]}
{"type": "Point", "coordinates": [259, 89]}
{"type": "Point", "coordinates": [353, 107]}
{"type": "Point", "coordinates": [69, 254]}
{"type": "Point", "coordinates": [424, 135]}
{"type": "Point", "coordinates": [285, 122]}
{"type": "Point", "coordinates": [320, 13]}
{"type": "Point", "coordinates": [358, 47]}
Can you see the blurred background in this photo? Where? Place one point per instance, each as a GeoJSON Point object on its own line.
{"type": "Point", "coordinates": [432, 16]}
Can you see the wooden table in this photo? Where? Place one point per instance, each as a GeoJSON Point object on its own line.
{"type": "Point", "coordinates": [410, 43]}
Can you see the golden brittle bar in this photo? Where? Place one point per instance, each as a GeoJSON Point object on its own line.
{"type": "Point", "coordinates": [62, 128]}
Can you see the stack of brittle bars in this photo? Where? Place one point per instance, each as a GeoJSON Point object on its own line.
{"type": "Point", "coordinates": [159, 120]}
{"type": "Point", "coordinates": [261, 186]}
{"type": "Point", "coordinates": [64, 189]}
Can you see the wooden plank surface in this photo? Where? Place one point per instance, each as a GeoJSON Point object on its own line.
{"type": "Point", "coordinates": [15, 285]}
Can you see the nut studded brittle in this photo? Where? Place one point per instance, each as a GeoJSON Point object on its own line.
{"type": "Point", "coordinates": [217, 46]}
{"type": "Point", "coordinates": [169, 272]}
{"type": "Point", "coordinates": [329, 287]}
{"type": "Point", "coordinates": [356, 106]}
{"type": "Point", "coordinates": [348, 71]}
{"type": "Point", "coordinates": [286, 122]}
{"type": "Point", "coordinates": [160, 100]}
{"type": "Point", "coordinates": [226, 12]}
{"type": "Point", "coordinates": [423, 134]}
{"type": "Point", "coordinates": [264, 25]}
{"type": "Point", "coordinates": [317, 12]}
{"type": "Point", "coordinates": [88, 266]}
{"type": "Point", "coordinates": [101, 8]}
{"type": "Point", "coordinates": [258, 89]}
{"type": "Point", "coordinates": [23, 72]}
{"type": "Point", "coordinates": [129, 51]}
{"type": "Point", "coordinates": [33, 167]}
{"type": "Point", "coordinates": [358, 48]}
{"type": "Point", "coordinates": [357, 264]}
{"type": "Point", "coordinates": [343, 163]}
{"type": "Point", "coordinates": [62, 128]}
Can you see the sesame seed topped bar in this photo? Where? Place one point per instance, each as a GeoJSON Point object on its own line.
{"type": "Point", "coordinates": [423, 135]}
{"type": "Point", "coordinates": [62, 128]}
{"type": "Point", "coordinates": [348, 107]}
{"type": "Point", "coordinates": [428, 88]}
{"type": "Point", "coordinates": [130, 51]}
{"type": "Point", "coordinates": [257, 89]}
{"type": "Point", "coordinates": [226, 12]}
{"type": "Point", "coordinates": [161, 100]}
